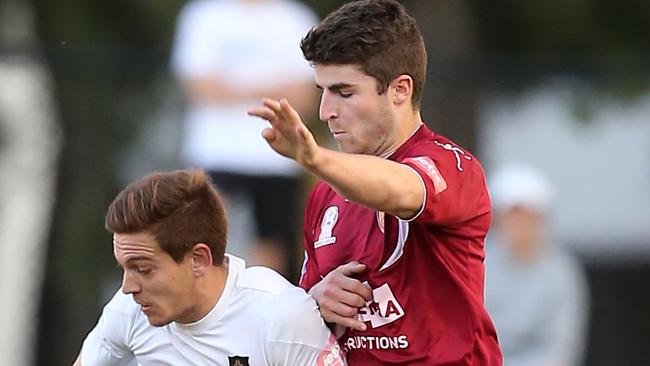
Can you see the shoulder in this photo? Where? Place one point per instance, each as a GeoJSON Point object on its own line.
{"type": "Point", "coordinates": [437, 155]}
{"type": "Point", "coordinates": [288, 309]}
{"type": "Point", "coordinates": [262, 279]}
{"type": "Point", "coordinates": [122, 316]}
{"type": "Point", "coordinates": [122, 305]}
{"type": "Point", "coordinates": [115, 327]}
{"type": "Point", "coordinates": [295, 317]}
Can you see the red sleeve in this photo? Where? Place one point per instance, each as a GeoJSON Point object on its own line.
{"type": "Point", "coordinates": [310, 274]}
{"type": "Point", "coordinates": [454, 183]}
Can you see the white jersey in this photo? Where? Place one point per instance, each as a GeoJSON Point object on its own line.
{"type": "Point", "coordinates": [260, 319]}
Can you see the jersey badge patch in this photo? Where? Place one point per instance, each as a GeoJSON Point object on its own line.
{"type": "Point", "coordinates": [429, 167]}
{"type": "Point", "coordinates": [330, 218]}
{"type": "Point", "coordinates": [238, 361]}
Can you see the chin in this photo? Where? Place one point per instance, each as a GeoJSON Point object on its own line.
{"type": "Point", "coordinates": [347, 149]}
{"type": "Point", "coordinates": [156, 322]}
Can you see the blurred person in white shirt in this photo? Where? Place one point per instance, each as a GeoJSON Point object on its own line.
{"type": "Point", "coordinates": [227, 55]}
{"type": "Point", "coordinates": [536, 291]}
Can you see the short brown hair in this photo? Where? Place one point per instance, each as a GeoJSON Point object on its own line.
{"type": "Point", "coordinates": [377, 35]}
{"type": "Point", "coordinates": [180, 208]}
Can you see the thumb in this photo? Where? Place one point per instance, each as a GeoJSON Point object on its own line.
{"type": "Point", "coordinates": [351, 268]}
{"type": "Point", "coordinates": [268, 134]}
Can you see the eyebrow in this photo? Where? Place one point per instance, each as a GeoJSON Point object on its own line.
{"type": "Point", "coordinates": [336, 87]}
{"type": "Point", "coordinates": [135, 259]}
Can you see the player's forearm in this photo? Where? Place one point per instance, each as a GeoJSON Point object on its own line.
{"type": "Point", "coordinates": [374, 182]}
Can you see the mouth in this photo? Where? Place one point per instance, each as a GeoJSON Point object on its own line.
{"type": "Point", "coordinates": [146, 309]}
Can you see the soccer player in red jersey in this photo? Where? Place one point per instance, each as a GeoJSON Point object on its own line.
{"type": "Point", "coordinates": [394, 233]}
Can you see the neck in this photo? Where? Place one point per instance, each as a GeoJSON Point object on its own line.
{"type": "Point", "coordinates": [209, 289]}
{"type": "Point", "coordinates": [405, 127]}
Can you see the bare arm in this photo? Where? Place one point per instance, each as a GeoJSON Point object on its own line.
{"type": "Point", "coordinates": [377, 183]}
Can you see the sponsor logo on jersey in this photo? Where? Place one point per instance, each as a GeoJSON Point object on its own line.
{"type": "Point", "coordinates": [332, 355]}
{"type": "Point", "coordinates": [458, 153]}
{"type": "Point", "coordinates": [376, 342]}
{"type": "Point", "coordinates": [238, 361]}
{"type": "Point", "coordinates": [383, 309]}
{"type": "Point", "coordinates": [430, 168]}
{"type": "Point", "coordinates": [330, 218]}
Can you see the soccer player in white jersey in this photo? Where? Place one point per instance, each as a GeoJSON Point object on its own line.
{"type": "Point", "coordinates": [184, 301]}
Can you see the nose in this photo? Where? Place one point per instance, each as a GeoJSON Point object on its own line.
{"type": "Point", "coordinates": [328, 109]}
{"type": "Point", "coordinates": [129, 283]}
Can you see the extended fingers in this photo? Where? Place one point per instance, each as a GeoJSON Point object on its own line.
{"type": "Point", "coordinates": [263, 112]}
{"type": "Point", "coordinates": [288, 110]}
{"type": "Point", "coordinates": [272, 104]}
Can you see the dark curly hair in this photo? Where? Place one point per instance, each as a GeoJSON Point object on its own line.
{"type": "Point", "coordinates": [377, 35]}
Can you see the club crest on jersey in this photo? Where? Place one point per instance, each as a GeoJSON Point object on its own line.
{"type": "Point", "coordinates": [330, 218]}
{"type": "Point", "coordinates": [238, 361]}
{"type": "Point", "coordinates": [383, 309]}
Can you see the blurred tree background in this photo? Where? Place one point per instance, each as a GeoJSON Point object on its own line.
{"type": "Point", "coordinates": [109, 61]}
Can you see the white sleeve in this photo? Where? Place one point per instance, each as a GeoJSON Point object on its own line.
{"type": "Point", "coordinates": [106, 344]}
{"type": "Point", "coordinates": [297, 335]}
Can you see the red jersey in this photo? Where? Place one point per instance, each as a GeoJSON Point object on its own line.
{"type": "Point", "coordinates": [426, 273]}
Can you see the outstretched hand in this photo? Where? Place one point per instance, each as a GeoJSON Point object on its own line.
{"type": "Point", "coordinates": [287, 134]}
{"type": "Point", "coordinates": [340, 296]}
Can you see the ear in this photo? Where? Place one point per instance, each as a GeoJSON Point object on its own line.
{"type": "Point", "coordinates": [402, 87]}
{"type": "Point", "coordinates": [201, 259]}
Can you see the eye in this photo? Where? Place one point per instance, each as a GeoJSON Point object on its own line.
{"type": "Point", "coordinates": [345, 94]}
{"type": "Point", "coordinates": [143, 270]}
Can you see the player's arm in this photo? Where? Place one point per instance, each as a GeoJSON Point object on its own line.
{"type": "Point", "coordinates": [377, 183]}
{"type": "Point", "coordinates": [106, 343]}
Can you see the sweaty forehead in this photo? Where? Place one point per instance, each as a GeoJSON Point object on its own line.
{"type": "Point", "coordinates": [134, 246]}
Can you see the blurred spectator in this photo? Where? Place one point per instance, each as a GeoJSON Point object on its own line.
{"type": "Point", "coordinates": [536, 292]}
{"type": "Point", "coordinates": [227, 55]}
